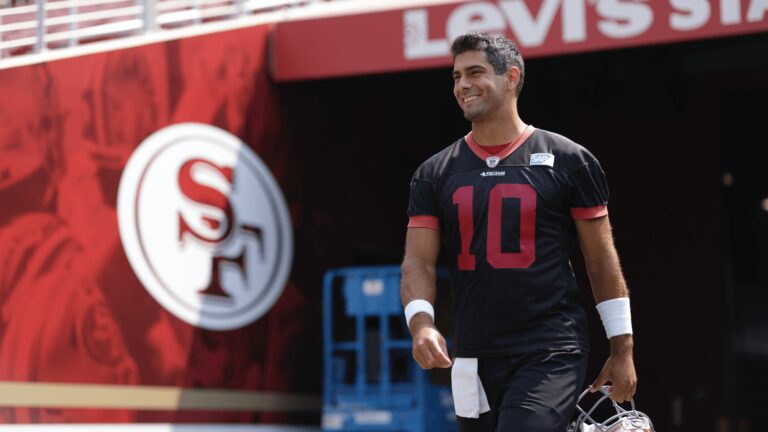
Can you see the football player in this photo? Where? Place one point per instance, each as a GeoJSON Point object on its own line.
{"type": "Point", "coordinates": [55, 325]}
{"type": "Point", "coordinates": [511, 203]}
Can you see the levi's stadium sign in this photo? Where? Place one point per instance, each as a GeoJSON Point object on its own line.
{"type": "Point", "coordinates": [417, 37]}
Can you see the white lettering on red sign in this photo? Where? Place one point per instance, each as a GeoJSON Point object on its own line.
{"type": "Point", "coordinates": [757, 10]}
{"type": "Point", "coordinates": [689, 14]}
{"type": "Point", "coordinates": [623, 19]}
{"type": "Point", "coordinates": [730, 12]}
{"type": "Point", "coordinates": [617, 19]}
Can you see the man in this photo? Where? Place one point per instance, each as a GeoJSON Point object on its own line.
{"type": "Point", "coordinates": [510, 202]}
{"type": "Point", "coordinates": [55, 323]}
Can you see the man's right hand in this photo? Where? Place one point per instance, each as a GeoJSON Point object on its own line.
{"type": "Point", "coordinates": [429, 349]}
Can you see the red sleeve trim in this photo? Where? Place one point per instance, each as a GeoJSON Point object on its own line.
{"type": "Point", "coordinates": [430, 222]}
{"type": "Point", "coordinates": [589, 212]}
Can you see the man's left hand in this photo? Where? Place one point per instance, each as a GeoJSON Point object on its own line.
{"type": "Point", "coordinates": [619, 369]}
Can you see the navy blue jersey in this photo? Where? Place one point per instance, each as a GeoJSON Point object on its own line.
{"type": "Point", "coordinates": [507, 221]}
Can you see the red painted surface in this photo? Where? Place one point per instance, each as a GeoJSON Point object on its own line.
{"type": "Point", "coordinates": [73, 310]}
{"type": "Point", "coordinates": [418, 38]}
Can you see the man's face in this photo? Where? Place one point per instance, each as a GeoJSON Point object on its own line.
{"type": "Point", "coordinates": [129, 115]}
{"type": "Point", "coordinates": [477, 88]}
{"type": "Point", "coordinates": [22, 132]}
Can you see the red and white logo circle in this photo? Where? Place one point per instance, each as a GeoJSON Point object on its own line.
{"type": "Point", "coordinates": [205, 226]}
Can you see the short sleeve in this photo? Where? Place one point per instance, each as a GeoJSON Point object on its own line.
{"type": "Point", "coordinates": [422, 207]}
{"type": "Point", "coordinates": [589, 194]}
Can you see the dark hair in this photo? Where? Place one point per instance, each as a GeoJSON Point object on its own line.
{"type": "Point", "coordinates": [502, 53]}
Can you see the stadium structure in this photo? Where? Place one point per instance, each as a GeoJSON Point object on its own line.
{"type": "Point", "coordinates": [177, 177]}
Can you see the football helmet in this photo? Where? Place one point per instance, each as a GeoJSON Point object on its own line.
{"type": "Point", "coordinates": [625, 420]}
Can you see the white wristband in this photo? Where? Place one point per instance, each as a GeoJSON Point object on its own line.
{"type": "Point", "coordinates": [416, 306]}
{"type": "Point", "coordinates": [616, 316]}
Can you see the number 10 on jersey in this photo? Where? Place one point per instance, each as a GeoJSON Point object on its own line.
{"type": "Point", "coordinates": [462, 197]}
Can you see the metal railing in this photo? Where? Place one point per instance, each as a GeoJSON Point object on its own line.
{"type": "Point", "coordinates": [35, 26]}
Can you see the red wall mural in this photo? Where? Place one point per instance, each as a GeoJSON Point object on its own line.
{"type": "Point", "coordinates": [73, 309]}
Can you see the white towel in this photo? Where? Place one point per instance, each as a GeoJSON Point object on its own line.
{"type": "Point", "coordinates": [469, 398]}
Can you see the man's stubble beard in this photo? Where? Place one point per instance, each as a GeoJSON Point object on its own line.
{"type": "Point", "coordinates": [476, 114]}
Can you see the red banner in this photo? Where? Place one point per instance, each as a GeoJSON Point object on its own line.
{"type": "Point", "coordinates": [419, 37]}
{"type": "Point", "coordinates": [194, 291]}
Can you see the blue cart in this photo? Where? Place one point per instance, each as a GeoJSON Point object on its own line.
{"type": "Point", "coordinates": [371, 381]}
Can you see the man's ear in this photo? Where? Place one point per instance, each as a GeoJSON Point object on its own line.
{"type": "Point", "coordinates": [513, 77]}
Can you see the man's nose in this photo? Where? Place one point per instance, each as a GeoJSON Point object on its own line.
{"type": "Point", "coordinates": [462, 83]}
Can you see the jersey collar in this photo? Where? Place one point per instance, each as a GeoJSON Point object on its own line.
{"type": "Point", "coordinates": [478, 150]}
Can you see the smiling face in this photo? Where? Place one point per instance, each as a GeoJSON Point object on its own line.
{"type": "Point", "coordinates": [479, 91]}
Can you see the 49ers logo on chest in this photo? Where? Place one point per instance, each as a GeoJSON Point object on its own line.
{"type": "Point", "coordinates": [205, 226]}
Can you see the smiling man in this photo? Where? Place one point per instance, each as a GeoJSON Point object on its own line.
{"type": "Point", "coordinates": [511, 203]}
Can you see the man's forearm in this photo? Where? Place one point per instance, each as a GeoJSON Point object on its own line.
{"type": "Point", "coordinates": [418, 282]}
{"type": "Point", "coordinates": [606, 278]}
{"type": "Point", "coordinates": [418, 275]}
{"type": "Point", "coordinates": [601, 259]}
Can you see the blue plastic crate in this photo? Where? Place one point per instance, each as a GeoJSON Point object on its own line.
{"type": "Point", "coordinates": [371, 383]}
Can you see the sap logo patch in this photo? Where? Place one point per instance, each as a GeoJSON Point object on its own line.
{"type": "Point", "coordinates": [542, 159]}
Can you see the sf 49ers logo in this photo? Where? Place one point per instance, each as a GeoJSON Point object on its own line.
{"type": "Point", "coordinates": [205, 226]}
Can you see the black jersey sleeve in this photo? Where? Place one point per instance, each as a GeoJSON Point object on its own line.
{"type": "Point", "coordinates": [589, 191]}
{"type": "Point", "coordinates": [422, 207]}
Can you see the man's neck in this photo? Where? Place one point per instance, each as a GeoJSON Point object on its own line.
{"type": "Point", "coordinates": [499, 130]}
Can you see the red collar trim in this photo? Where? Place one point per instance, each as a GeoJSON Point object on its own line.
{"type": "Point", "coordinates": [478, 150]}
